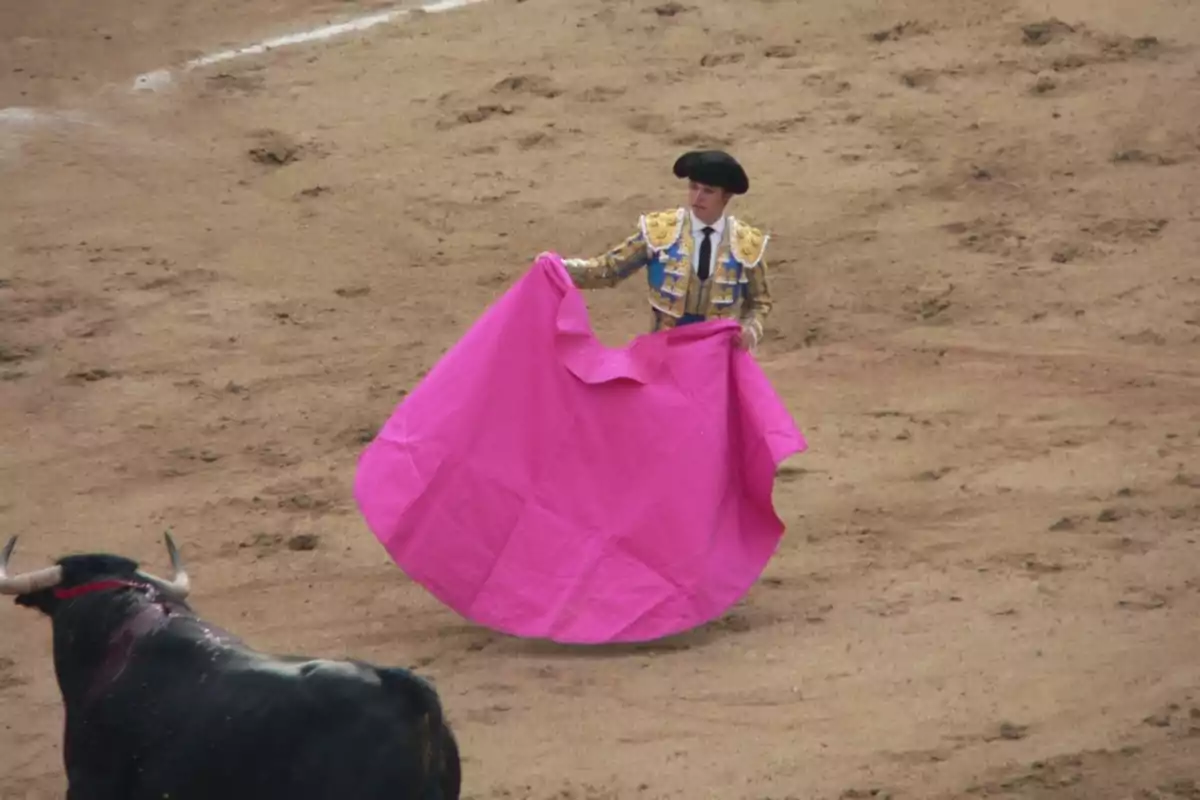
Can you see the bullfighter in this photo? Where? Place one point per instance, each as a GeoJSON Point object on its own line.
{"type": "Point", "coordinates": [701, 262]}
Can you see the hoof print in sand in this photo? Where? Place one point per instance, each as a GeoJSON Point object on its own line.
{"type": "Point", "coordinates": [268, 543]}
{"type": "Point", "coordinates": [8, 676]}
{"type": "Point", "coordinates": [1046, 31]}
{"type": "Point", "coordinates": [1138, 156]}
{"type": "Point", "coordinates": [537, 85]}
{"type": "Point", "coordinates": [900, 30]}
{"type": "Point", "coordinates": [535, 139]}
{"type": "Point", "coordinates": [700, 141]}
{"type": "Point", "coordinates": [919, 78]}
{"type": "Point", "coordinates": [308, 496]}
{"type": "Point", "coordinates": [274, 149]}
{"type": "Point", "coordinates": [358, 435]}
{"type": "Point", "coordinates": [720, 59]}
{"type": "Point", "coordinates": [601, 94]}
{"type": "Point", "coordinates": [90, 375]}
{"type": "Point", "coordinates": [13, 354]}
{"type": "Point", "coordinates": [234, 83]}
{"type": "Point", "coordinates": [671, 9]}
{"type": "Point", "coordinates": [476, 115]}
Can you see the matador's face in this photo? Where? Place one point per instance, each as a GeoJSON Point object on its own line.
{"type": "Point", "coordinates": [707, 202]}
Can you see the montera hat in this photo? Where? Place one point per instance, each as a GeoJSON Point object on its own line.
{"type": "Point", "coordinates": [713, 168]}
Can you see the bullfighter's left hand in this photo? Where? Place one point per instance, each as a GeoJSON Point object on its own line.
{"type": "Point", "coordinates": [749, 337]}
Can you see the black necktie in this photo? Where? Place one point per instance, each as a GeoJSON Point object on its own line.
{"type": "Point", "coordinates": [706, 254]}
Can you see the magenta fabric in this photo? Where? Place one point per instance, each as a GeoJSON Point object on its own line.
{"type": "Point", "coordinates": [545, 485]}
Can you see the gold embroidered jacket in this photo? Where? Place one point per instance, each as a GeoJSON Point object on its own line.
{"type": "Point", "coordinates": [663, 244]}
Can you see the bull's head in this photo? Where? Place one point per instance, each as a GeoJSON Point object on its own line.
{"type": "Point", "coordinates": [45, 588]}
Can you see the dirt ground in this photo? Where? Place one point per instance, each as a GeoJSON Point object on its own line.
{"type": "Point", "coordinates": [984, 218]}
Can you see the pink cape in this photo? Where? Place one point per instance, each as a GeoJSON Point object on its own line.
{"type": "Point", "coordinates": [542, 484]}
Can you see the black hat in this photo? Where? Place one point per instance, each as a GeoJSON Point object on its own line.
{"type": "Point", "coordinates": [714, 168]}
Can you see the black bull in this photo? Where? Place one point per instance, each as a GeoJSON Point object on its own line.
{"type": "Point", "coordinates": [160, 704]}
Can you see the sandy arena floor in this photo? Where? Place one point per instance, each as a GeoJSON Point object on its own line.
{"type": "Point", "coordinates": [988, 327]}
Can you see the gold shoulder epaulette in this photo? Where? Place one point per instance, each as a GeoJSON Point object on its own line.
{"type": "Point", "coordinates": [662, 228]}
{"type": "Point", "coordinates": [747, 242]}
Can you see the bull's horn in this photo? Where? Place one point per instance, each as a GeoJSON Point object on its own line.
{"type": "Point", "coordinates": [180, 585]}
{"type": "Point", "coordinates": [28, 582]}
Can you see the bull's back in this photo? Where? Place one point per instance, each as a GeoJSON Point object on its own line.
{"type": "Point", "coordinates": [248, 726]}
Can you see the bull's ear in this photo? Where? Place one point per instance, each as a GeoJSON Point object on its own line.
{"type": "Point", "coordinates": [44, 601]}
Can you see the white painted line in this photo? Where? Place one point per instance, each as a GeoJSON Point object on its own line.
{"type": "Point", "coordinates": [153, 81]}
{"type": "Point", "coordinates": [327, 32]}
{"type": "Point", "coordinates": [18, 115]}
{"type": "Point", "coordinates": [18, 122]}
{"type": "Point", "coordinates": [24, 116]}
